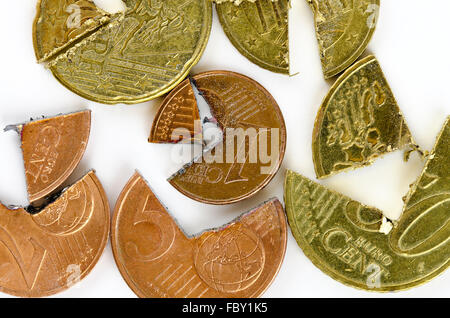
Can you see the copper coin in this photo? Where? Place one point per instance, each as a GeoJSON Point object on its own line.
{"type": "Point", "coordinates": [48, 252]}
{"type": "Point", "coordinates": [251, 121]}
{"type": "Point", "coordinates": [52, 148]}
{"type": "Point", "coordinates": [157, 259]}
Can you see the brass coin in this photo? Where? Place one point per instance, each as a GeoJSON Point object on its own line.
{"type": "Point", "coordinates": [140, 55]}
{"type": "Point", "coordinates": [259, 31]}
{"type": "Point", "coordinates": [238, 103]}
{"type": "Point", "coordinates": [343, 30]}
{"type": "Point", "coordinates": [179, 110]}
{"type": "Point", "coordinates": [157, 259]}
{"type": "Point", "coordinates": [52, 148]}
{"type": "Point", "coordinates": [48, 252]}
{"type": "Point", "coordinates": [356, 245]}
{"type": "Point", "coordinates": [59, 24]}
{"type": "Point", "coordinates": [359, 121]}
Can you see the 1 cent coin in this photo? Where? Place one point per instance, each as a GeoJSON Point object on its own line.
{"type": "Point", "coordinates": [157, 259]}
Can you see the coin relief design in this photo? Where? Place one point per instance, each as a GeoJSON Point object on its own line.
{"type": "Point", "coordinates": [48, 252]}
{"type": "Point", "coordinates": [259, 30]}
{"type": "Point", "coordinates": [52, 148]}
{"type": "Point", "coordinates": [59, 24]}
{"type": "Point", "coordinates": [344, 28]}
{"type": "Point", "coordinates": [158, 260]}
{"type": "Point", "coordinates": [236, 102]}
{"type": "Point", "coordinates": [139, 55]}
{"type": "Point", "coordinates": [358, 246]}
{"type": "Point", "coordinates": [359, 121]}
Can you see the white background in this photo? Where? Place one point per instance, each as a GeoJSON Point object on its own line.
{"type": "Point", "coordinates": [412, 43]}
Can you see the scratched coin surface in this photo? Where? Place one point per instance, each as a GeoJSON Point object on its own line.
{"type": "Point", "coordinates": [139, 55]}
{"type": "Point", "coordinates": [344, 28]}
{"type": "Point", "coordinates": [359, 121]}
{"type": "Point", "coordinates": [60, 23]}
{"type": "Point", "coordinates": [259, 30]}
{"type": "Point", "coordinates": [356, 245]}
{"type": "Point", "coordinates": [158, 260]}
{"type": "Point", "coordinates": [177, 113]}
{"type": "Point", "coordinates": [237, 168]}
{"type": "Point", "coordinates": [52, 148]}
{"type": "Point", "coordinates": [45, 253]}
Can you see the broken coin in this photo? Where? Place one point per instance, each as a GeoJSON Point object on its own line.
{"type": "Point", "coordinates": [59, 24]}
{"type": "Point", "coordinates": [343, 30]}
{"type": "Point", "coordinates": [358, 121]}
{"type": "Point", "coordinates": [358, 246]}
{"type": "Point", "coordinates": [157, 259]}
{"type": "Point", "coordinates": [253, 144]}
{"type": "Point", "coordinates": [259, 31]}
{"type": "Point", "coordinates": [45, 253]}
{"type": "Point", "coordinates": [138, 55]}
{"type": "Point", "coordinates": [52, 148]}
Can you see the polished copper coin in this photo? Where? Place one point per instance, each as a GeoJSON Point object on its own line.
{"type": "Point", "coordinates": [158, 260]}
{"type": "Point", "coordinates": [253, 145]}
{"type": "Point", "coordinates": [52, 149]}
{"type": "Point", "coordinates": [45, 253]}
{"type": "Point", "coordinates": [177, 114]}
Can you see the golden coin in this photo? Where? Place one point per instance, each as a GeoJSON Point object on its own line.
{"type": "Point", "coordinates": [259, 31]}
{"type": "Point", "coordinates": [252, 124]}
{"type": "Point", "coordinates": [157, 259]}
{"type": "Point", "coordinates": [45, 253]}
{"type": "Point", "coordinates": [52, 148]}
{"type": "Point", "coordinates": [59, 24]}
{"type": "Point", "coordinates": [358, 246]}
{"type": "Point", "coordinates": [138, 56]}
{"type": "Point", "coordinates": [359, 121]}
{"type": "Point", "coordinates": [343, 30]}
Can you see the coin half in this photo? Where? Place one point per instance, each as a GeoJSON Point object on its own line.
{"type": "Point", "coordinates": [59, 24]}
{"type": "Point", "coordinates": [359, 121]}
{"type": "Point", "coordinates": [242, 164]}
{"type": "Point", "coordinates": [259, 31]}
{"type": "Point", "coordinates": [52, 148]}
{"type": "Point", "coordinates": [358, 246]}
{"type": "Point", "coordinates": [343, 30]}
{"type": "Point", "coordinates": [45, 253]}
{"type": "Point", "coordinates": [158, 260]}
{"type": "Point", "coordinates": [140, 55]}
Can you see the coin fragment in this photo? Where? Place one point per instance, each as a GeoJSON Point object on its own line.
{"type": "Point", "coordinates": [343, 30]}
{"type": "Point", "coordinates": [359, 121]}
{"type": "Point", "coordinates": [259, 31]}
{"type": "Point", "coordinates": [356, 245]}
{"type": "Point", "coordinates": [140, 55]}
{"type": "Point", "coordinates": [242, 164]}
{"type": "Point", "coordinates": [58, 24]}
{"type": "Point", "coordinates": [157, 259]}
{"type": "Point", "coordinates": [425, 225]}
{"type": "Point", "coordinates": [178, 117]}
{"type": "Point", "coordinates": [52, 148]}
{"type": "Point", "coordinates": [48, 252]}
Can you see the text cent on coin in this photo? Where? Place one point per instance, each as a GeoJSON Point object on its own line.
{"type": "Point", "coordinates": [158, 260]}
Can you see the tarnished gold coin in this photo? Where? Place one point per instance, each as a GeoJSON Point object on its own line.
{"type": "Point", "coordinates": [140, 55]}
{"type": "Point", "coordinates": [358, 246]}
{"type": "Point", "coordinates": [259, 31]}
{"type": "Point", "coordinates": [45, 253]}
{"type": "Point", "coordinates": [343, 29]}
{"type": "Point", "coordinates": [52, 148]}
{"type": "Point", "coordinates": [253, 146]}
{"type": "Point", "coordinates": [60, 23]}
{"type": "Point", "coordinates": [179, 112]}
{"type": "Point", "coordinates": [158, 260]}
{"type": "Point", "coordinates": [359, 121]}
